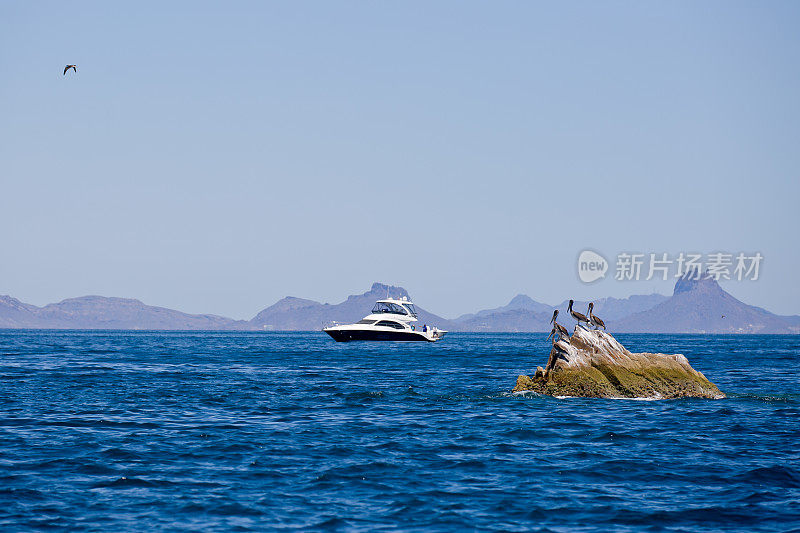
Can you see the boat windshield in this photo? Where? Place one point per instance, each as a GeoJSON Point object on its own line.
{"type": "Point", "coordinates": [411, 308]}
{"type": "Point", "coordinates": [388, 307]}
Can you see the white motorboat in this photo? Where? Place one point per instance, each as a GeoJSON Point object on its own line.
{"type": "Point", "coordinates": [391, 320]}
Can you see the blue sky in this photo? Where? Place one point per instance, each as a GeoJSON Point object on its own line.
{"type": "Point", "coordinates": [214, 157]}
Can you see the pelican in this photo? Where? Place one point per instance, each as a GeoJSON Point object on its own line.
{"type": "Point", "coordinates": [558, 333]}
{"type": "Point", "coordinates": [73, 67]}
{"type": "Point", "coordinates": [595, 320]}
{"type": "Point", "coordinates": [576, 315]}
{"type": "Point", "coordinates": [562, 331]}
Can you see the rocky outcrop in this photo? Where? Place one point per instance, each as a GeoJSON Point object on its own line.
{"type": "Point", "coordinates": [594, 364]}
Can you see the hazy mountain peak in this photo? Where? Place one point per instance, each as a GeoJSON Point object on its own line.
{"type": "Point", "coordinates": [520, 314]}
{"type": "Point", "coordinates": [382, 290]}
{"type": "Point", "coordinates": [700, 305]}
{"type": "Point", "coordinates": [12, 302]}
{"type": "Point", "coordinates": [293, 302]}
{"type": "Point", "coordinates": [693, 281]}
{"type": "Point", "coordinates": [94, 299]}
{"type": "Point", "coordinates": [522, 300]}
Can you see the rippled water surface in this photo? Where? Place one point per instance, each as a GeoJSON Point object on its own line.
{"type": "Point", "coordinates": [235, 431]}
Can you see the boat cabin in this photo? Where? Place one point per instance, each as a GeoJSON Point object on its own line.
{"type": "Point", "coordinates": [395, 307]}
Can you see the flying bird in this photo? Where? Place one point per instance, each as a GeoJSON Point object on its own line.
{"type": "Point", "coordinates": [73, 67]}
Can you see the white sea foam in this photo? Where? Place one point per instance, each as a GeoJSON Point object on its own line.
{"type": "Point", "coordinates": [640, 398]}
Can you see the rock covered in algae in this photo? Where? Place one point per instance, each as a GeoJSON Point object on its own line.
{"type": "Point", "coordinates": [594, 364]}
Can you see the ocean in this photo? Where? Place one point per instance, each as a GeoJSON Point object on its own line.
{"type": "Point", "coordinates": [149, 431]}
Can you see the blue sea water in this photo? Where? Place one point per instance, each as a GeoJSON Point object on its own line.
{"type": "Point", "coordinates": [104, 431]}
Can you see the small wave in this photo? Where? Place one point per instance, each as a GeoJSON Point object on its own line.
{"type": "Point", "coordinates": [331, 523]}
{"type": "Point", "coordinates": [713, 514]}
{"type": "Point", "coordinates": [610, 436]}
{"type": "Point", "coordinates": [126, 483]}
{"type": "Point", "coordinates": [20, 494]}
{"type": "Point", "coordinates": [779, 475]}
{"type": "Point", "coordinates": [236, 509]}
{"type": "Point", "coordinates": [365, 395]}
{"type": "Point", "coordinates": [354, 471]}
{"type": "Point", "coordinates": [760, 497]}
{"type": "Point", "coordinates": [97, 423]}
{"type": "Point", "coordinates": [120, 454]}
{"type": "Point", "coordinates": [768, 398]}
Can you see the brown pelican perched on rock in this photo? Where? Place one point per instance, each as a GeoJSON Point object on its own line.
{"type": "Point", "coordinates": [558, 333]}
{"type": "Point", "coordinates": [576, 315]}
{"type": "Point", "coordinates": [595, 320]}
{"type": "Point", "coordinates": [558, 328]}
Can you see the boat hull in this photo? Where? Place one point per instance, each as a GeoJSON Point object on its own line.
{"type": "Point", "coordinates": [349, 335]}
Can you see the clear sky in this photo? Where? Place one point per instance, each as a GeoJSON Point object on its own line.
{"type": "Point", "coordinates": [215, 157]}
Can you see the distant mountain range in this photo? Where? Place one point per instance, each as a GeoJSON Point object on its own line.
{"type": "Point", "coordinates": [696, 306]}
{"type": "Point", "coordinates": [99, 312]}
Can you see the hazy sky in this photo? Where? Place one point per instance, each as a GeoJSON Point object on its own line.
{"type": "Point", "coordinates": [215, 157]}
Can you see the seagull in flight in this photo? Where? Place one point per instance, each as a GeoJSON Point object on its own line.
{"type": "Point", "coordinates": [73, 67]}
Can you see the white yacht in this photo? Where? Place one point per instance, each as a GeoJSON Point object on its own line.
{"type": "Point", "coordinates": [391, 320]}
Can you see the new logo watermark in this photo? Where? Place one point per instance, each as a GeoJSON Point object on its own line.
{"type": "Point", "coordinates": [591, 266]}
{"type": "Point", "coordinates": [633, 266]}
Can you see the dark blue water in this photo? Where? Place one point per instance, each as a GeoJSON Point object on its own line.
{"type": "Point", "coordinates": [112, 431]}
